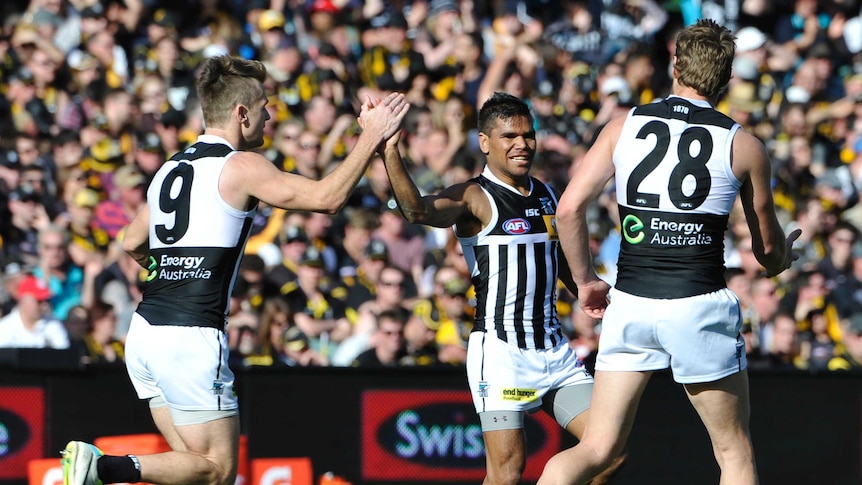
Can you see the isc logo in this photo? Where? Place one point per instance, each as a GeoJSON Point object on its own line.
{"type": "Point", "coordinates": [516, 226]}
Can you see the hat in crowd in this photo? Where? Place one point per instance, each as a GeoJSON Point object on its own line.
{"type": "Point", "coordinates": [22, 75]}
{"type": "Point", "coordinates": [34, 287]}
{"type": "Point", "coordinates": [392, 20]}
{"type": "Point", "coordinates": [830, 179]}
{"type": "Point", "coordinates": [376, 249]}
{"type": "Point", "coordinates": [295, 339]}
{"type": "Point", "coordinates": [749, 38]}
{"type": "Point", "coordinates": [294, 234]}
{"type": "Point", "coordinates": [79, 60]}
{"type": "Point", "coordinates": [86, 197]}
{"type": "Point", "coordinates": [545, 89]}
{"type": "Point", "coordinates": [323, 6]}
{"type": "Point", "coordinates": [24, 193]}
{"type": "Point", "coordinates": [796, 94]}
{"type": "Point", "coordinates": [615, 84]}
{"type": "Point", "coordinates": [128, 177]}
{"type": "Point", "coordinates": [745, 68]}
{"type": "Point", "coordinates": [270, 19]}
{"type": "Point", "coordinates": [437, 7]}
{"type": "Point", "coordinates": [44, 17]}
{"type": "Point", "coordinates": [743, 97]}
{"type": "Point", "coordinates": [13, 268]}
{"type": "Point", "coordinates": [149, 142]}
{"type": "Point", "coordinates": [93, 11]}
{"type": "Point", "coordinates": [455, 287]}
{"type": "Point", "coordinates": [164, 18]}
{"type": "Point", "coordinates": [312, 257]}
{"type": "Point", "coordinates": [819, 50]}
{"type": "Point", "coordinates": [854, 323]}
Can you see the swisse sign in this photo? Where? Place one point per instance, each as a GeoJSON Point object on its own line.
{"type": "Point", "coordinates": [22, 414]}
{"type": "Point", "coordinates": [435, 435]}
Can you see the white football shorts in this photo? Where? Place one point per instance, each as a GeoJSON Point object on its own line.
{"type": "Point", "coordinates": [186, 366]}
{"type": "Point", "coordinates": [503, 377]}
{"type": "Point", "coordinates": [698, 337]}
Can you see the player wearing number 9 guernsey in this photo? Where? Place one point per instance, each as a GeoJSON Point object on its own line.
{"type": "Point", "coordinates": [190, 236]}
{"type": "Point", "coordinates": [678, 166]}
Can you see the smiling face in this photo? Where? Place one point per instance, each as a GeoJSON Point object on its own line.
{"type": "Point", "coordinates": [510, 147]}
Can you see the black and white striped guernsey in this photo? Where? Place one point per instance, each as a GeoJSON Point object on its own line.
{"type": "Point", "coordinates": [513, 263]}
{"type": "Point", "coordinates": [196, 238]}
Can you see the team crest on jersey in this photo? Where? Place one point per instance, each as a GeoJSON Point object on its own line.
{"type": "Point", "coordinates": [516, 226]}
{"type": "Point", "coordinates": [483, 389]}
{"type": "Point", "coordinates": [218, 388]}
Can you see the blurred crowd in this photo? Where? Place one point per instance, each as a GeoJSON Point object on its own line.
{"type": "Point", "coordinates": [97, 93]}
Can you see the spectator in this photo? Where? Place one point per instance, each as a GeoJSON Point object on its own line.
{"type": "Point", "coordinates": [31, 324]}
{"type": "Point", "coordinates": [816, 346]}
{"type": "Point", "coordinates": [851, 358]}
{"type": "Point", "coordinates": [242, 335]}
{"type": "Point", "coordinates": [318, 314]}
{"type": "Point", "coordinates": [292, 244]}
{"type": "Point", "coordinates": [363, 286]}
{"type": "Point", "coordinates": [116, 212]}
{"type": "Point", "coordinates": [102, 345]}
{"type": "Point", "coordinates": [387, 342]}
{"type": "Point", "coordinates": [404, 242]}
{"type": "Point", "coordinates": [70, 284]}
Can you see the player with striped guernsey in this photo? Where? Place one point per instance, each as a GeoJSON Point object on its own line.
{"type": "Point", "coordinates": [518, 359]}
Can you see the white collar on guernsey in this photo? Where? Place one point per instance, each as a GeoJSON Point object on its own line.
{"type": "Point", "coordinates": [697, 102]}
{"type": "Point", "coordinates": [214, 140]}
{"type": "Point", "coordinates": [493, 178]}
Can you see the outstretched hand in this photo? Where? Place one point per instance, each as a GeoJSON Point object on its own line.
{"type": "Point", "coordinates": [384, 116]}
{"type": "Point", "coordinates": [790, 254]}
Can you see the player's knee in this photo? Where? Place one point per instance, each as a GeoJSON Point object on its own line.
{"type": "Point", "coordinates": [503, 476]}
{"type": "Point", "coordinates": [506, 473]}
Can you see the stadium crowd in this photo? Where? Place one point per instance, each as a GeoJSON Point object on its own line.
{"type": "Point", "coordinates": [97, 93]}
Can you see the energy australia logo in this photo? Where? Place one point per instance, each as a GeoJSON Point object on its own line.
{"type": "Point", "coordinates": [633, 229]}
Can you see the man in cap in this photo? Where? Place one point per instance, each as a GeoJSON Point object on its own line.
{"type": "Point", "coordinates": [292, 242]}
{"type": "Point", "coordinates": [19, 230]}
{"type": "Point", "coordinates": [30, 325]}
{"type": "Point", "coordinates": [86, 240]}
{"type": "Point", "coordinates": [319, 315]}
{"type": "Point", "coordinates": [390, 63]}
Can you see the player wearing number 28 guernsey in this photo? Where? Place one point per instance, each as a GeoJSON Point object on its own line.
{"type": "Point", "coordinates": [196, 239]}
{"type": "Point", "coordinates": [667, 219]}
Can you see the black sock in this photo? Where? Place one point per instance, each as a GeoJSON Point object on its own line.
{"type": "Point", "coordinates": [119, 469]}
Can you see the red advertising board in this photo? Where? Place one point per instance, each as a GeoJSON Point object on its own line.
{"type": "Point", "coordinates": [22, 425]}
{"type": "Point", "coordinates": [435, 435]}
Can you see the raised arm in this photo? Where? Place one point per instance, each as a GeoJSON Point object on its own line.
{"type": "Point", "coordinates": [250, 174]}
{"type": "Point", "coordinates": [460, 204]}
{"type": "Point", "coordinates": [751, 165]}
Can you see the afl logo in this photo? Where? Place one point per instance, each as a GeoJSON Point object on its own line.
{"type": "Point", "coordinates": [516, 226]}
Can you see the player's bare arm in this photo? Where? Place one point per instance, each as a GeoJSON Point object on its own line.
{"type": "Point", "coordinates": [587, 182]}
{"type": "Point", "coordinates": [249, 174]}
{"type": "Point", "coordinates": [462, 204]}
{"type": "Point", "coordinates": [136, 239]}
{"type": "Point", "coordinates": [751, 165]}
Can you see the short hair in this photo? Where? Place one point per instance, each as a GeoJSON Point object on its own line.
{"type": "Point", "coordinates": [502, 106]}
{"type": "Point", "coordinates": [704, 57]}
{"type": "Point", "coordinates": [363, 218]}
{"type": "Point", "coordinates": [225, 82]}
